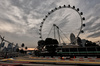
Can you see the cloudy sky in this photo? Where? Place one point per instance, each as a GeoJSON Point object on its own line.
{"type": "Point", "coordinates": [20, 19]}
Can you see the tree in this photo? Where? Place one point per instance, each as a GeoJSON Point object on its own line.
{"type": "Point", "coordinates": [17, 50]}
{"type": "Point", "coordinates": [21, 51]}
{"type": "Point", "coordinates": [22, 45]}
{"type": "Point", "coordinates": [26, 48]}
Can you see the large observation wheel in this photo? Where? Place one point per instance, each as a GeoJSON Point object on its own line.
{"type": "Point", "coordinates": [61, 8]}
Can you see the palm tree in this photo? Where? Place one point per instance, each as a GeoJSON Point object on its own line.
{"type": "Point", "coordinates": [22, 45]}
{"type": "Point", "coordinates": [26, 48]}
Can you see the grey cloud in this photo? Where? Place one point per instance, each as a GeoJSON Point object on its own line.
{"type": "Point", "coordinates": [28, 40]}
{"type": "Point", "coordinates": [92, 18]}
{"type": "Point", "coordinates": [36, 10]}
{"type": "Point", "coordinates": [95, 28]}
{"type": "Point", "coordinates": [92, 27]}
{"type": "Point", "coordinates": [87, 5]}
{"type": "Point", "coordinates": [28, 5]}
{"type": "Point", "coordinates": [6, 19]}
{"type": "Point", "coordinates": [90, 23]}
{"type": "Point", "coordinates": [94, 35]}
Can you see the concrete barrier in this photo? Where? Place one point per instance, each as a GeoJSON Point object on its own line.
{"type": "Point", "coordinates": [10, 64]}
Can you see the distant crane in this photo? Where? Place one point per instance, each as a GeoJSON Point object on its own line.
{"type": "Point", "coordinates": [2, 40]}
{"type": "Point", "coordinates": [10, 49]}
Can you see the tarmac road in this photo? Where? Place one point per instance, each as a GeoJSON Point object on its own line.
{"type": "Point", "coordinates": [39, 61]}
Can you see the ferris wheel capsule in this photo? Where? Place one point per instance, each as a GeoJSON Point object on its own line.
{"type": "Point", "coordinates": [77, 9]}
{"type": "Point", "coordinates": [84, 25]}
{"type": "Point", "coordinates": [39, 29]}
{"type": "Point", "coordinates": [46, 16]}
{"type": "Point", "coordinates": [81, 13]}
{"type": "Point", "coordinates": [42, 22]}
{"type": "Point", "coordinates": [41, 26]}
{"type": "Point", "coordinates": [55, 8]}
{"type": "Point", "coordinates": [52, 10]}
{"type": "Point", "coordinates": [49, 13]}
{"type": "Point", "coordinates": [74, 7]}
{"type": "Point", "coordinates": [64, 6]}
{"type": "Point", "coordinates": [59, 6]}
{"type": "Point", "coordinates": [82, 31]}
{"type": "Point", "coordinates": [44, 19]}
{"type": "Point", "coordinates": [40, 37]}
{"type": "Point", "coordinates": [83, 18]}
{"type": "Point", "coordinates": [68, 5]}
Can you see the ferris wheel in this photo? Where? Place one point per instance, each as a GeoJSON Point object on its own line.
{"type": "Point", "coordinates": [47, 18]}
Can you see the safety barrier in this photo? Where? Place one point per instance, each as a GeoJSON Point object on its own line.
{"type": "Point", "coordinates": [50, 59]}
{"type": "Point", "coordinates": [89, 59]}
{"type": "Point", "coordinates": [86, 59]}
{"type": "Point", "coordinates": [10, 64]}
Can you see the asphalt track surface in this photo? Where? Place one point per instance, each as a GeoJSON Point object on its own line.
{"type": "Point", "coordinates": [37, 61]}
